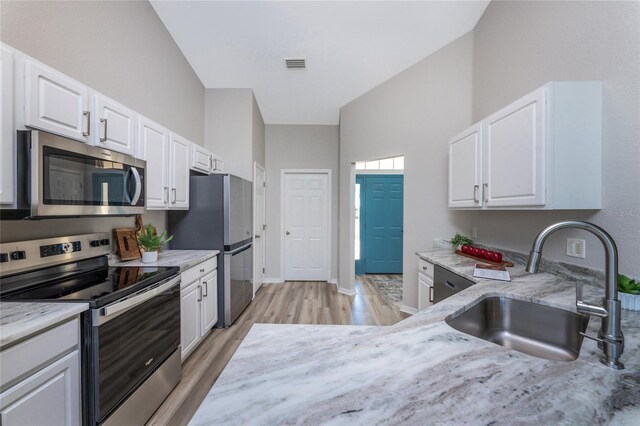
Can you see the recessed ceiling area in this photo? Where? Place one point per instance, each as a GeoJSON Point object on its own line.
{"type": "Point", "coordinates": [350, 47]}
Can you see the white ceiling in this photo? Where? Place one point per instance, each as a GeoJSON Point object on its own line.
{"type": "Point", "coordinates": [350, 47]}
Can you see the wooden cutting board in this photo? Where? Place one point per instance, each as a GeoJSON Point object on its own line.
{"type": "Point", "coordinates": [504, 263]}
{"type": "Point", "coordinates": [127, 243]}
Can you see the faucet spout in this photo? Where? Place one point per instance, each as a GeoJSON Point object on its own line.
{"type": "Point", "coordinates": [610, 332]}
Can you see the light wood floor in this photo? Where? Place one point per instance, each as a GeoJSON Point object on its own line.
{"type": "Point", "coordinates": [288, 303]}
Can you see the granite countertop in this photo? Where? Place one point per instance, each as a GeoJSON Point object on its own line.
{"type": "Point", "coordinates": [185, 259]}
{"type": "Point", "coordinates": [421, 370]}
{"type": "Point", "coordinates": [22, 319]}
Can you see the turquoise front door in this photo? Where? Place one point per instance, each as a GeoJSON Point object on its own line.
{"type": "Point", "coordinates": [381, 224]}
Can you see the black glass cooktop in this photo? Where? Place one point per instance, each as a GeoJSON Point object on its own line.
{"type": "Point", "coordinates": [84, 283]}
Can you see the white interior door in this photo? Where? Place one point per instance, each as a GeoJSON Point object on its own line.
{"type": "Point", "coordinates": [259, 225]}
{"type": "Point", "coordinates": [306, 226]}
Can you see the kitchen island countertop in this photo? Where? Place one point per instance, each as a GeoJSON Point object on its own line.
{"type": "Point", "coordinates": [422, 371]}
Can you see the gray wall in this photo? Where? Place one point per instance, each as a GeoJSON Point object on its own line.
{"type": "Point", "coordinates": [121, 49]}
{"type": "Point", "coordinates": [413, 114]}
{"type": "Point", "coordinates": [298, 147]}
{"type": "Point", "coordinates": [257, 133]}
{"type": "Point", "coordinates": [519, 46]}
{"type": "Point", "coordinates": [234, 129]}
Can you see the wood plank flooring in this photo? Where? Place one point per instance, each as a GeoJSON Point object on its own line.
{"type": "Point", "coordinates": [288, 303]}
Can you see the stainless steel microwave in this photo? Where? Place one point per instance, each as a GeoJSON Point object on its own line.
{"type": "Point", "coordinates": [60, 177]}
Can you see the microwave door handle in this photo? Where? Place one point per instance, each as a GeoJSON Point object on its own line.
{"type": "Point", "coordinates": [138, 190]}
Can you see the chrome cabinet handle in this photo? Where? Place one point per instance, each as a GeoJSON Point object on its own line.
{"type": "Point", "coordinates": [199, 293]}
{"type": "Point", "coordinates": [431, 294]}
{"type": "Point", "coordinates": [475, 193]}
{"type": "Point", "coordinates": [202, 270]}
{"type": "Point", "coordinates": [204, 289]}
{"type": "Point", "coordinates": [104, 136]}
{"type": "Point", "coordinates": [87, 115]}
{"type": "Point", "coordinates": [175, 196]}
{"type": "Point", "coordinates": [211, 163]}
{"type": "Point", "coordinates": [166, 193]}
{"type": "Point", "coordinates": [485, 192]}
{"type": "Point", "coordinates": [214, 163]}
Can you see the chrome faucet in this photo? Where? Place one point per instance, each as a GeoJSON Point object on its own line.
{"type": "Point", "coordinates": [610, 339]}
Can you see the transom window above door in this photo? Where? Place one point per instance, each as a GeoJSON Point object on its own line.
{"type": "Point", "coordinates": [392, 163]}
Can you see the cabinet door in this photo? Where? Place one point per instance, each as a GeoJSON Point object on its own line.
{"type": "Point", "coordinates": [153, 147]}
{"type": "Point", "coordinates": [209, 285]}
{"type": "Point", "coordinates": [49, 397]}
{"type": "Point", "coordinates": [179, 171]}
{"type": "Point", "coordinates": [515, 153]}
{"type": "Point", "coordinates": [114, 126]}
{"type": "Point", "coordinates": [425, 291]}
{"type": "Point", "coordinates": [56, 103]}
{"type": "Point", "coordinates": [201, 159]}
{"type": "Point", "coordinates": [7, 130]}
{"type": "Point", "coordinates": [190, 317]}
{"type": "Point", "coordinates": [465, 168]}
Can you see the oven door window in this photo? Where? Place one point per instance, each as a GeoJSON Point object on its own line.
{"type": "Point", "coordinates": [132, 345]}
{"type": "Point", "coordinates": [75, 179]}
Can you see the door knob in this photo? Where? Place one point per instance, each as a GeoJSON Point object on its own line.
{"type": "Point", "coordinates": [257, 236]}
{"type": "Point", "coordinates": [288, 233]}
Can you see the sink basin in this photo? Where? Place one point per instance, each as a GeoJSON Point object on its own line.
{"type": "Point", "coordinates": [527, 327]}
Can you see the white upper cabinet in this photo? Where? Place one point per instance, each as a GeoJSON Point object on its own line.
{"type": "Point", "coordinates": [115, 125]}
{"type": "Point", "coordinates": [179, 171]}
{"type": "Point", "coordinates": [201, 159]}
{"type": "Point", "coordinates": [56, 103]}
{"type": "Point", "coordinates": [153, 147]}
{"type": "Point", "coordinates": [7, 129]}
{"type": "Point", "coordinates": [543, 151]}
{"type": "Point", "coordinates": [515, 153]}
{"type": "Point", "coordinates": [217, 164]}
{"type": "Point", "coordinates": [465, 168]}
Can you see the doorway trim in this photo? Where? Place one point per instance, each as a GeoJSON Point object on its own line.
{"type": "Point", "coordinates": [256, 273]}
{"type": "Point", "coordinates": [283, 174]}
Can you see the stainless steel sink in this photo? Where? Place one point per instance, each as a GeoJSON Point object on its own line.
{"type": "Point", "coordinates": [527, 327]}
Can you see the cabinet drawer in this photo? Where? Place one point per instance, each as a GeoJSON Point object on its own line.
{"type": "Point", "coordinates": [38, 350]}
{"type": "Point", "coordinates": [201, 269]}
{"type": "Point", "coordinates": [425, 267]}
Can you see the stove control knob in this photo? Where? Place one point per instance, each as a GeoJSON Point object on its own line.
{"type": "Point", "coordinates": [95, 243]}
{"type": "Point", "coordinates": [18, 255]}
{"type": "Point", "coordinates": [4, 257]}
{"type": "Point", "coordinates": [105, 242]}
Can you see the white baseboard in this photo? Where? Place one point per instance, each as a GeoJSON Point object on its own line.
{"type": "Point", "coordinates": [408, 309]}
{"type": "Point", "coordinates": [333, 281]}
{"type": "Point", "coordinates": [347, 291]}
{"type": "Point", "coordinates": [273, 281]}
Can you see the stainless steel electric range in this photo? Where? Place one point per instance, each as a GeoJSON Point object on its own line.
{"type": "Point", "coordinates": [130, 334]}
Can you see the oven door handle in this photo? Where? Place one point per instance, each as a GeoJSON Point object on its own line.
{"type": "Point", "coordinates": [117, 308]}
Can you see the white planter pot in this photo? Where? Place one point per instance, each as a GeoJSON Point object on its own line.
{"type": "Point", "coordinates": [629, 301]}
{"type": "Point", "coordinates": [149, 256]}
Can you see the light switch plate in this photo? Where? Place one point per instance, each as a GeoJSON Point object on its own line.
{"type": "Point", "coordinates": [576, 247]}
{"type": "Point", "coordinates": [474, 232]}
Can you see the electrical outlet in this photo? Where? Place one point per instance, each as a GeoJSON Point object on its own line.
{"type": "Point", "coordinates": [474, 232]}
{"type": "Point", "coordinates": [576, 247]}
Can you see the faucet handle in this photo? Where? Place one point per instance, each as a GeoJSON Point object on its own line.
{"type": "Point", "coordinates": [587, 308]}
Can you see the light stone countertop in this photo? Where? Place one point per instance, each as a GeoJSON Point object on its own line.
{"type": "Point", "coordinates": [185, 259]}
{"type": "Point", "coordinates": [422, 371]}
{"type": "Point", "coordinates": [22, 319]}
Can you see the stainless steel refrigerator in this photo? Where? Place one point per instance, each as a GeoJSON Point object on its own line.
{"type": "Point", "coordinates": [220, 218]}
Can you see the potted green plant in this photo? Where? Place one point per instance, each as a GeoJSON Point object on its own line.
{"type": "Point", "coordinates": [459, 240]}
{"type": "Point", "coordinates": [150, 242]}
{"type": "Point", "coordinates": [629, 293]}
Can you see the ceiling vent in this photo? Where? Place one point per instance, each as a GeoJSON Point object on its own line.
{"type": "Point", "coordinates": [296, 63]}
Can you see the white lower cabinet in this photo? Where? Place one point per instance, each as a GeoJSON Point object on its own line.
{"type": "Point", "coordinates": [43, 392]}
{"type": "Point", "coordinates": [425, 291]}
{"type": "Point", "coordinates": [198, 304]}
